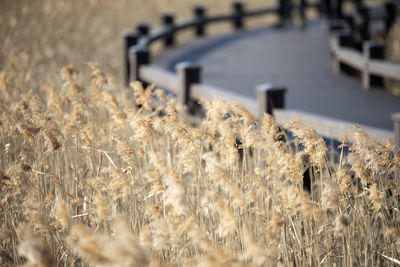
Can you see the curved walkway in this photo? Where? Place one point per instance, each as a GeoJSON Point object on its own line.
{"type": "Point", "coordinates": [289, 57]}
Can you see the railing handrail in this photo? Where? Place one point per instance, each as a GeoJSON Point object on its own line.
{"type": "Point", "coordinates": [325, 126]}
{"type": "Point", "coordinates": [164, 31]}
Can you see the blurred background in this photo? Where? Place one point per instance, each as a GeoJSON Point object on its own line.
{"type": "Point", "coordinates": [45, 35]}
{"type": "Point", "coordinates": [50, 34]}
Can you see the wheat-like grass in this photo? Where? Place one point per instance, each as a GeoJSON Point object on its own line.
{"type": "Point", "coordinates": [91, 178]}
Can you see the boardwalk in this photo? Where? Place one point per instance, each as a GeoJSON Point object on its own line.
{"type": "Point", "coordinates": [290, 57]}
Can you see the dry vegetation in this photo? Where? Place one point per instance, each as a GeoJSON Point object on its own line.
{"type": "Point", "coordinates": [90, 176]}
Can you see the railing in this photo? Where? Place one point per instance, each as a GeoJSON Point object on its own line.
{"type": "Point", "coordinates": [187, 84]}
{"type": "Point", "coordinates": [137, 43]}
{"type": "Point", "coordinates": [352, 50]}
{"type": "Point", "coordinates": [188, 88]}
{"type": "Point", "coordinates": [369, 62]}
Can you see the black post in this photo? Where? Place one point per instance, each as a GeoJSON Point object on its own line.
{"type": "Point", "coordinates": [358, 4]}
{"type": "Point", "coordinates": [345, 39]}
{"type": "Point", "coordinates": [284, 11]}
{"type": "Point", "coordinates": [350, 21]}
{"type": "Point", "coordinates": [130, 39]}
{"type": "Point", "coordinates": [364, 27]}
{"type": "Point", "coordinates": [339, 9]}
{"type": "Point", "coordinates": [137, 58]}
{"type": "Point", "coordinates": [281, 12]}
{"type": "Point", "coordinates": [289, 9]}
{"type": "Point", "coordinates": [168, 20]}
{"type": "Point", "coordinates": [200, 12]}
{"type": "Point", "coordinates": [372, 50]}
{"type": "Point", "coordinates": [143, 29]}
{"type": "Point", "coordinates": [319, 5]}
{"type": "Point", "coordinates": [238, 9]}
{"type": "Point", "coordinates": [302, 12]}
{"type": "Point", "coordinates": [338, 25]}
{"type": "Point", "coordinates": [391, 10]}
{"type": "Point", "coordinates": [327, 7]}
{"type": "Point", "coordinates": [189, 74]}
{"type": "Point", "coordinates": [270, 97]}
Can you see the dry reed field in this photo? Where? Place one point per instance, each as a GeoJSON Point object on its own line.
{"type": "Point", "coordinates": [89, 177]}
{"type": "Point", "coordinates": [92, 177]}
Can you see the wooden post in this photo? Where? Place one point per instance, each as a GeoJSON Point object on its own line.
{"type": "Point", "coordinates": [358, 4]}
{"type": "Point", "coordinates": [168, 20]}
{"type": "Point", "coordinates": [188, 74]}
{"type": "Point", "coordinates": [391, 10]}
{"type": "Point", "coordinates": [320, 7]}
{"type": "Point", "coordinates": [345, 39]}
{"type": "Point", "coordinates": [364, 27]}
{"type": "Point", "coordinates": [238, 9]}
{"type": "Point", "coordinates": [396, 128]}
{"type": "Point", "coordinates": [137, 58]}
{"type": "Point", "coordinates": [327, 7]}
{"type": "Point", "coordinates": [200, 12]}
{"type": "Point", "coordinates": [289, 9]}
{"type": "Point", "coordinates": [269, 97]}
{"type": "Point", "coordinates": [130, 39]}
{"type": "Point", "coordinates": [349, 20]}
{"type": "Point", "coordinates": [302, 13]}
{"type": "Point", "coordinates": [337, 25]}
{"type": "Point", "coordinates": [143, 29]}
{"type": "Point", "coordinates": [339, 9]}
{"type": "Point", "coordinates": [283, 11]}
{"type": "Point", "coordinates": [371, 50]}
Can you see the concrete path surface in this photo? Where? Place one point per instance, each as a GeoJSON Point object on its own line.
{"type": "Point", "coordinates": [289, 57]}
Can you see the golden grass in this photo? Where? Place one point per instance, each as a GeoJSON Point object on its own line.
{"type": "Point", "coordinates": [90, 177]}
